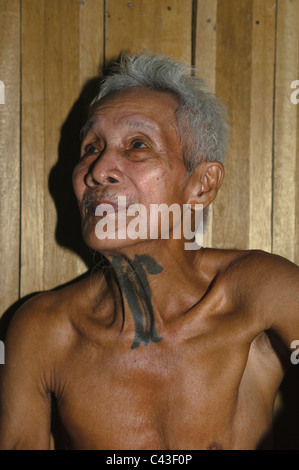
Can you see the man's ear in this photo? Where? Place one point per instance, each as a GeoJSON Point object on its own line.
{"type": "Point", "coordinates": [204, 183]}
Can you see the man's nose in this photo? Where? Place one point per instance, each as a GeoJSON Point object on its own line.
{"type": "Point", "coordinates": [104, 171]}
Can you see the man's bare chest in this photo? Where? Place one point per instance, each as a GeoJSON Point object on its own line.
{"type": "Point", "coordinates": [160, 396]}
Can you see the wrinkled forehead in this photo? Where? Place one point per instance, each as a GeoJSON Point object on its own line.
{"type": "Point", "coordinates": [140, 108]}
{"type": "Point", "coordinates": [138, 95]}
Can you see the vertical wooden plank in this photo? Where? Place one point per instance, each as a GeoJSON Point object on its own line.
{"type": "Point", "coordinates": [91, 39]}
{"type": "Point", "coordinates": [61, 68]}
{"type": "Point", "coordinates": [33, 147]}
{"type": "Point", "coordinates": [261, 124]}
{"type": "Point", "coordinates": [205, 63]}
{"type": "Point", "coordinates": [158, 26]}
{"type": "Point", "coordinates": [233, 85]}
{"type": "Point", "coordinates": [297, 189]}
{"type": "Point", "coordinates": [205, 46]}
{"type": "Point", "coordinates": [9, 151]}
{"type": "Point", "coordinates": [286, 137]}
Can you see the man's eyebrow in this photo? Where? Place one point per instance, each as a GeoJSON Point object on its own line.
{"type": "Point", "coordinates": [136, 124]}
{"type": "Point", "coordinates": [86, 128]}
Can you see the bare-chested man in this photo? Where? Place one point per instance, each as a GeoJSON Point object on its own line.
{"type": "Point", "coordinates": [167, 348]}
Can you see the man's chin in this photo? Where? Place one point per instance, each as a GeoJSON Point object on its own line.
{"type": "Point", "coordinates": [108, 245]}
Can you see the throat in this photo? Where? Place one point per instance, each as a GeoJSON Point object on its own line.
{"type": "Point", "coordinates": [132, 275]}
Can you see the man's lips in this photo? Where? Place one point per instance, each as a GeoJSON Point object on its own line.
{"type": "Point", "coordinates": [100, 205]}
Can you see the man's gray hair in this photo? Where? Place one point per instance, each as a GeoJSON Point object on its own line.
{"type": "Point", "coordinates": [201, 117]}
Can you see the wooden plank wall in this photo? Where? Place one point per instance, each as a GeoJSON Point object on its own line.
{"type": "Point", "coordinates": [10, 155]}
{"type": "Point", "coordinates": [246, 50]}
{"type": "Point", "coordinates": [50, 52]}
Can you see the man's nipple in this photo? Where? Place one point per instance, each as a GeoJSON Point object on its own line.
{"type": "Point", "coordinates": [215, 446]}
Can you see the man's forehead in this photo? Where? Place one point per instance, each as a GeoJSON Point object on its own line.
{"type": "Point", "coordinates": [145, 107]}
{"type": "Point", "coordinates": [130, 123]}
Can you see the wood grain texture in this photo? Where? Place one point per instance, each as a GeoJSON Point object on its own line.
{"type": "Point", "coordinates": [61, 89]}
{"type": "Point", "coordinates": [233, 46]}
{"type": "Point", "coordinates": [233, 85]}
{"type": "Point", "coordinates": [261, 125]}
{"type": "Point", "coordinates": [9, 152]}
{"type": "Point", "coordinates": [286, 173]}
{"type": "Point", "coordinates": [158, 26]}
{"type": "Point", "coordinates": [33, 148]}
{"type": "Point", "coordinates": [296, 241]}
{"type": "Point", "coordinates": [91, 39]}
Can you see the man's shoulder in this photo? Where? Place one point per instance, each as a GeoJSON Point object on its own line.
{"type": "Point", "coordinates": [248, 275]}
{"type": "Point", "coordinates": [37, 323]}
{"type": "Point", "coordinates": [261, 265]}
{"type": "Point", "coordinates": [47, 317]}
{"type": "Point", "coordinates": [243, 260]}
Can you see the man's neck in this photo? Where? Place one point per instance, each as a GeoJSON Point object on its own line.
{"type": "Point", "coordinates": [133, 280]}
{"type": "Point", "coordinates": [156, 288]}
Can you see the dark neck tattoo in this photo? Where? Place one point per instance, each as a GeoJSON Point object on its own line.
{"type": "Point", "coordinates": [133, 283]}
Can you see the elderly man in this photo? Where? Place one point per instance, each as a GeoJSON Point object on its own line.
{"type": "Point", "coordinates": [167, 347]}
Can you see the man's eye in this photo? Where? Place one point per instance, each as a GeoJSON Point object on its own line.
{"type": "Point", "coordinates": [138, 144]}
{"type": "Point", "coordinates": [89, 150]}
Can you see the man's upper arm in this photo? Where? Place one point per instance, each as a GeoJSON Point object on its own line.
{"type": "Point", "coordinates": [279, 296]}
{"type": "Point", "coordinates": [24, 398]}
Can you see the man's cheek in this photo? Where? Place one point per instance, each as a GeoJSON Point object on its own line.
{"type": "Point", "coordinates": [78, 184]}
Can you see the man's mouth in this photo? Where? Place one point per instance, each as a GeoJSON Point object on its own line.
{"type": "Point", "coordinates": [102, 206]}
